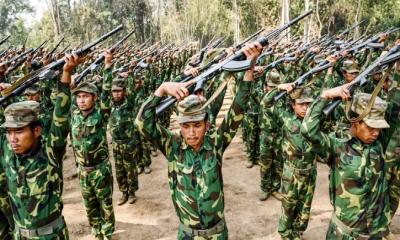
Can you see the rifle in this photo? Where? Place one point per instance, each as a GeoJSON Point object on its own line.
{"type": "Point", "coordinates": [65, 49]}
{"type": "Point", "coordinates": [4, 40]}
{"type": "Point", "coordinates": [48, 72]}
{"type": "Point", "coordinates": [345, 32]}
{"type": "Point", "coordinates": [326, 64]}
{"type": "Point", "coordinates": [140, 61]}
{"type": "Point", "coordinates": [55, 47]}
{"type": "Point", "coordinates": [216, 67]}
{"type": "Point", "coordinates": [100, 59]}
{"type": "Point", "coordinates": [210, 45]}
{"type": "Point", "coordinates": [18, 56]}
{"type": "Point", "coordinates": [39, 47]}
{"type": "Point", "coordinates": [362, 78]}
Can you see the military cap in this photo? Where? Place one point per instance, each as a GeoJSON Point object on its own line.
{"type": "Point", "coordinates": [32, 90]}
{"type": "Point", "coordinates": [118, 84]}
{"type": "Point", "coordinates": [87, 87]}
{"type": "Point", "coordinates": [273, 78]}
{"type": "Point", "coordinates": [376, 116]}
{"type": "Point", "coordinates": [350, 66]}
{"type": "Point", "coordinates": [190, 109]}
{"type": "Point", "coordinates": [21, 114]}
{"type": "Point", "coordinates": [302, 95]}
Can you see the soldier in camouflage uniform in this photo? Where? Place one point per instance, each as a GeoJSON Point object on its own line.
{"type": "Point", "coordinates": [299, 171]}
{"type": "Point", "coordinates": [271, 162]}
{"type": "Point", "coordinates": [33, 165]}
{"type": "Point", "coordinates": [89, 140]}
{"type": "Point", "coordinates": [195, 155]}
{"type": "Point", "coordinates": [33, 93]}
{"type": "Point", "coordinates": [125, 141]}
{"type": "Point", "coordinates": [357, 181]}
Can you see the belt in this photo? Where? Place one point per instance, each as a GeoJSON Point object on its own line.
{"type": "Point", "coordinates": [48, 229]}
{"type": "Point", "coordinates": [348, 230]}
{"type": "Point", "coordinates": [217, 228]}
{"type": "Point", "coordinates": [92, 168]}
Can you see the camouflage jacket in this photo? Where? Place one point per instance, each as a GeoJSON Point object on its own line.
{"type": "Point", "coordinates": [89, 138]}
{"type": "Point", "coordinates": [34, 180]}
{"type": "Point", "coordinates": [297, 152]}
{"type": "Point", "coordinates": [358, 183]}
{"type": "Point", "coordinates": [195, 178]}
{"type": "Point", "coordinates": [122, 121]}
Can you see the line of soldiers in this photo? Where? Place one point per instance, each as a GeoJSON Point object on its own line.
{"type": "Point", "coordinates": [359, 141]}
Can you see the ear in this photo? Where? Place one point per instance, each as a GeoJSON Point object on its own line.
{"type": "Point", "coordinates": [208, 124]}
{"type": "Point", "coordinates": [37, 131]}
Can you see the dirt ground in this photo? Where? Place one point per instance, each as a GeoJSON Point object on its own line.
{"type": "Point", "coordinates": [153, 215]}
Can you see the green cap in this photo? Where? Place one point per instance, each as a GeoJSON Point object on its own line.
{"type": "Point", "coordinates": [302, 95]}
{"type": "Point", "coordinates": [190, 109]}
{"type": "Point", "coordinates": [32, 90]}
{"type": "Point", "coordinates": [210, 55]}
{"type": "Point", "coordinates": [118, 84]}
{"type": "Point", "coordinates": [350, 66]}
{"type": "Point", "coordinates": [21, 114]}
{"type": "Point", "coordinates": [273, 78]}
{"type": "Point", "coordinates": [87, 87]}
{"type": "Point", "coordinates": [376, 116]}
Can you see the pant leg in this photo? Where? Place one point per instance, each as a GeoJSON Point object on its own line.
{"type": "Point", "coordinates": [146, 153]}
{"type": "Point", "coordinates": [104, 189]}
{"type": "Point", "coordinates": [120, 170]}
{"type": "Point", "coordinates": [277, 166]}
{"type": "Point", "coordinates": [306, 189]}
{"type": "Point", "coordinates": [266, 159]}
{"type": "Point", "coordinates": [220, 236]}
{"type": "Point", "coordinates": [289, 206]}
{"type": "Point", "coordinates": [130, 157]}
{"type": "Point", "coordinates": [90, 202]}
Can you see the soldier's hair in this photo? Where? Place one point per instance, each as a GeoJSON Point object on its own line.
{"type": "Point", "coordinates": [34, 125]}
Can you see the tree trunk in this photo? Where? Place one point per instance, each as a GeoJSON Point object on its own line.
{"type": "Point", "coordinates": [356, 19]}
{"type": "Point", "coordinates": [307, 23]}
{"type": "Point", "coordinates": [319, 20]}
{"type": "Point", "coordinates": [55, 16]}
{"type": "Point", "coordinates": [285, 17]}
{"type": "Point", "coordinates": [236, 25]}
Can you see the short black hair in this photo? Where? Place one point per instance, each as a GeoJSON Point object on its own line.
{"type": "Point", "coordinates": [35, 124]}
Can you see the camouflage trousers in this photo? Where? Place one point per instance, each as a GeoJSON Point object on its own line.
{"type": "Point", "coordinates": [97, 190]}
{"type": "Point", "coordinates": [271, 164]}
{"type": "Point", "coordinates": [340, 233]}
{"type": "Point", "coordinates": [220, 236]}
{"type": "Point", "coordinates": [297, 189]}
{"type": "Point", "coordinates": [62, 234]}
{"type": "Point", "coordinates": [392, 160]}
{"type": "Point", "coordinates": [146, 148]}
{"type": "Point", "coordinates": [251, 137]}
{"type": "Point", "coordinates": [126, 157]}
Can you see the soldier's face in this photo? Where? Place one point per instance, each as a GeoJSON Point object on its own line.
{"type": "Point", "coordinates": [193, 133]}
{"type": "Point", "coordinates": [85, 101]}
{"type": "Point", "coordinates": [23, 139]}
{"type": "Point", "coordinates": [300, 109]}
{"type": "Point", "coordinates": [350, 76]}
{"type": "Point", "coordinates": [33, 97]}
{"type": "Point", "coordinates": [365, 133]}
{"type": "Point", "coordinates": [118, 95]}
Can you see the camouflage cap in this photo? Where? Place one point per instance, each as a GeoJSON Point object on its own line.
{"type": "Point", "coordinates": [376, 116]}
{"type": "Point", "coordinates": [273, 78]}
{"type": "Point", "coordinates": [32, 90]}
{"type": "Point", "coordinates": [302, 95]}
{"type": "Point", "coordinates": [87, 87]}
{"type": "Point", "coordinates": [118, 84]}
{"type": "Point", "coordinates": [190, 109]}
{"type": "Point", "coordinates": [21, 114]}
{"type": "Point", "coordinates": [350, 66]}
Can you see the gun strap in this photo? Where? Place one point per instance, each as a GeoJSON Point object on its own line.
{"type": "Point", "coordinates": [371, 102]}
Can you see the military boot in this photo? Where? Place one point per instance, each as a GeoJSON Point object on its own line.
{"type": "Point", "coordinates": [249, 164]}
{"type": "Point", "coordinates": [123, 199]}
{"type": "Point", "coordinates": [99, 237]}
{"type": "Point", "coordinates": [132, 198]}
{"type": "Point", "coordinates": [140, 170]}
{"type": "Point", "coordinates": [264, 195]}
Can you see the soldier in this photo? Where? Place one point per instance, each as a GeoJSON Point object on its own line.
{"type": "Point", "coordinates": [271, 161]}
{"type": "Point", "coordinates": [125, 141]}
{"type": "Point", "coordinates": [358, 181]}
{"type": "Point", "coordinates": [89, 140]}
{"type": "Point", "coordinates": [195, 156]}
{"type": "Point", "coordinates": [33, 165]}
